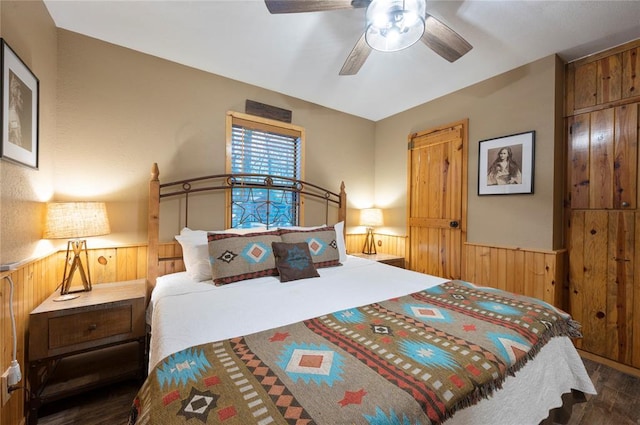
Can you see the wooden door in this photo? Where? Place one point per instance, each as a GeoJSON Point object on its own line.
{"type": "Point", "coordinates": [437, 200]}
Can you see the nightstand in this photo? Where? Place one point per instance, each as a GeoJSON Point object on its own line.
{"type": "Point", "coordinates": [93, 340]}
{"type": "Point", "coordinates": [392, 260]}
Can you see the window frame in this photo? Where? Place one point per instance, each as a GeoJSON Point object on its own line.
{"type": "Point", "coordinates": [267, 125]}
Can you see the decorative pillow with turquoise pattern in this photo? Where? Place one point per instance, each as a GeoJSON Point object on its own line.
{"type": "Point", "coordinates": [235, 257]}
{"type": "Point", "coordinates": [322, 244]}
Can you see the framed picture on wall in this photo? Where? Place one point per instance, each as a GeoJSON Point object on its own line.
{"type": "Point", "coordinates": [505, 164]}
{"type": "Point", "coordinates": [20, 103]}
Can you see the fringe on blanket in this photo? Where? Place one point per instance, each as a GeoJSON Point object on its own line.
{"type": "Point", "coordinates": [565, 327]}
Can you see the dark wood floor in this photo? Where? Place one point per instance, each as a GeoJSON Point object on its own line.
{"type": "Point", "coordinates": [105, 406]}
{"type": "Point", "coordinates": [617, 403]}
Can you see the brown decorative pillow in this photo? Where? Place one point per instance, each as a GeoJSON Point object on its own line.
{"type": "Point", "coordinates": [322, 244]}
{"type": "Point", "coordinates": [235, 257]}
{"type": "Point", "coordinates": [293, 261]}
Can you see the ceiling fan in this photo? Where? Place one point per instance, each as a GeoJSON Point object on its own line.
{"type": "Point", "coordinates": [391, 25]}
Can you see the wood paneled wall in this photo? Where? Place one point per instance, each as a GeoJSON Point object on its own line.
{"type": "Point", "coordinates": [386, 244]}
{"type": "Point", "coordinates": [533, 273]}
{"type": "Point", "coordinates": [33, 282]}
{"type": "Point", "coordinates": [171, 252]}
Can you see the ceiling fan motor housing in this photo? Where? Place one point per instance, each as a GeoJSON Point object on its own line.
{"type": "Point", "coordinates": [393, 25]}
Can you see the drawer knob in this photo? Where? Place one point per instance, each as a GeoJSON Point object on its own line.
{"type": "Point", "coordinates": [93, 327]}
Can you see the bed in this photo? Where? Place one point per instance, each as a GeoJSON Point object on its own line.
{"type": "Point", "coordinates": [328, 338]}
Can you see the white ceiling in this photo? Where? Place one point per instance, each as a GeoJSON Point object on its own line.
{"type": "Point", "coordinates": [301, 54]}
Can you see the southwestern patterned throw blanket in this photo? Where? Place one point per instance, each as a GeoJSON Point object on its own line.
{"type": "Point", "coordinates": [415, 359]}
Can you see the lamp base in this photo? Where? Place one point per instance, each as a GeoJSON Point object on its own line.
{"type": "Point", "coordinates": [369, 246]}
{"type": "Point", "coordinates": [75, 249]}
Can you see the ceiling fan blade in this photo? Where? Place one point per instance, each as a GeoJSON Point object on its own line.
{"type": "Point", "coordinates": [443, 40]}
{"type": "Point", "coordinates": [300, 6]}
{"type": "Point", "coordinates": [356, 58]}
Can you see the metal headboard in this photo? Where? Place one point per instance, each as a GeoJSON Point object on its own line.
{"type": "Point", "coordinates": [266, 184]}
{"type": "Point", "coordinates": [261, 187]}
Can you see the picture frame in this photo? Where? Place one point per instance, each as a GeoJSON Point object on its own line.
{"type": "Point", "coordinates": [506, 164]}
{"type": "Point", "coordinates": [20, 91]}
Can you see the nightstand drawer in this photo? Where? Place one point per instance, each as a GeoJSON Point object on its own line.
{"type": "Point", "coordinates": [89, 326]}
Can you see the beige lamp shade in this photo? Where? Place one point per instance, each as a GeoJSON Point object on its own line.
{"type": "Point", "coordinates": [72, 220]}
{"type": "Point", "coordinates": [371, 217]}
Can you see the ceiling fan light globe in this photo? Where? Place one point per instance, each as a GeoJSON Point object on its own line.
{"type": "Point", "coordinates": [380, 20]}
{"type": "Point", "coordinates": [411, 19]}
{"type": "Point", "coordinates": [394, 25]}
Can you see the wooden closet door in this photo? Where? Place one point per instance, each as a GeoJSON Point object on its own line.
{"type": "Point", "coordinates": [603, 158]}
{"type": "Point", "coordinates": [437, 200]}
{"type": "Point", "coordinates": [604, 237]}
{"type": "Point", "coordinates": [603, 226]}
{"type": "Point", "coordinates": [603, 282]}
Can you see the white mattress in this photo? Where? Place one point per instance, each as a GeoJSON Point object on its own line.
{"type": "Point", "coordinates": [183, 313]}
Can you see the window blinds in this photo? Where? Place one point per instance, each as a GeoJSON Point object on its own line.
{"type": "Point", "coordinates": [256, 150]}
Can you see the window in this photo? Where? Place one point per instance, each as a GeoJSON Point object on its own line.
{"type": "Point", "coordinates": [262, 146]}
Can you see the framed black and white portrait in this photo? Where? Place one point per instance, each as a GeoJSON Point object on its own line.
{"type": "Point", "coordinates": [505, 164]}
{"type": "Point", "coordinates": [20, 98]}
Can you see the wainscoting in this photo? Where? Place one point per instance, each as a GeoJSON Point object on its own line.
{"type": "Point", "coordinates": [387, 244]}
{"type": "Point", "coordinates": [535, 273]}
{"type": "Point", "coordinates": [33, 283]}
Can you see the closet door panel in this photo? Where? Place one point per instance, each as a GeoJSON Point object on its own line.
{"type": "Point", "coordinates": [601, 160]}
{"type": "Point", "coordinates": [594, 287]}
{"type": "Point", "coordinates": [578, 141]}
{"type": "Point", "coordinates": [631, 73]}
{"type": "Point", "coordinates": [585, 85]}
{"type": "Point", "coordinates": [609, 79]}
{"type": "Point", "coordinates": [620, 283]}
{"type": "Point", "coordinates": [626, 157]}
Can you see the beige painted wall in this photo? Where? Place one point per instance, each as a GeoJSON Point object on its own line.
{"type": "Point", "coordinates": [120, 110]}
{"type": "Point", "coordinates": [521, 100]}
{"type": "Point", "coordinates": [27, 27]}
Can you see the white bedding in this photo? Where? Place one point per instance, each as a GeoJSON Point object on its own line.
{"type": "Point", "coordinates": [184, 313]}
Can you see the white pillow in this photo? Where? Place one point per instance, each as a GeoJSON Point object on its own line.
{"type": "Point", "coordinates": [342, 248]}
{"type": "Point", "coordinates": [195, 253]}
{"type": "Point", "coordinates": [302, 227]}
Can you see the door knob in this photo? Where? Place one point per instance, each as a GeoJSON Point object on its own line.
{"type": "Point", "coordinates": [453, 224]}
